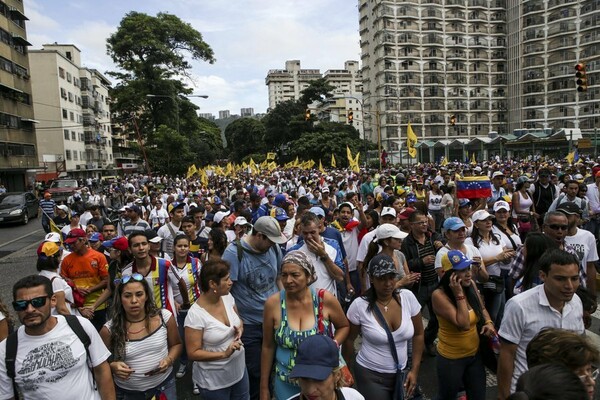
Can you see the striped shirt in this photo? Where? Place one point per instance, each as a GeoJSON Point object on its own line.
{"type": "Point", "coordinates": [428, 274]}
{"type": "Point", "coordinates": [48, 207]}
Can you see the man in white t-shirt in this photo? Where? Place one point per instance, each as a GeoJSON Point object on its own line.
{"type": "Point", "coordinates": [51, 362]}
{"type": "Point", "coordinates": [584, 244]}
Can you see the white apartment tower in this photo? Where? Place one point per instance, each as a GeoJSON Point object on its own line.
{"type": "Point", "coordinates": [287, 84]}
{"type": "Point", "coordinates": [425, 61]}
{"type": "Point", "coordinates": [72, 106]}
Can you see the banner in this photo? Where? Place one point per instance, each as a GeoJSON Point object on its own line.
{"type": "Point", "coordinates": [411, 141]}
{"type": "Point", "coordinates": [270, 156]}
{"type": "Point", "coordinates": [473, 187]}
{"type": "Point", "coordinates": [191, 171]}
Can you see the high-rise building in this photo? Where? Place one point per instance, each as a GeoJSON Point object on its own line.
{"type": "Point", "coordinates": [246, 112]}
{"type": "Point", "coordinates": [18, 155]}
{"type": "Point", "coordinates": [208, 116]}
{"type": "Point", "coordinates": [428, 62]}
{"type": "Point", "coordinates": [224, 114]}
{"type": "Point", "coordinates": [72, 105]}
{"type": "Point", "coordinates": [287, 84]}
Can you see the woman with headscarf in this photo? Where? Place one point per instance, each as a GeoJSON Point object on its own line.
{"type": "Point", "coordinates": [291, 316]}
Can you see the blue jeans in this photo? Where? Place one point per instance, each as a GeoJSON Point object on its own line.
{"type": "Point", "coordinates": [167, 387]}
{"type": "Point", "coordinates": [252, 338]}
{"type": "Point", "coordinates": [238, 391]}
{"type": "Point", "coordinates": [467, 373]}
{"type": "Point", "coordinates": [180, 326]}
{"type": "Point", "coordinates": [494, 304]}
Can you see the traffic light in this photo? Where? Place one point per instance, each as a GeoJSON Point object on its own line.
{"type": "Point", "coordinates": [307, 115]}
{"type": "Point", "coordinates": [350, 117]}
{"type": "Point", "coordinates": [581, 76]}
{"type": "Point", "coordinates": [453, 120]}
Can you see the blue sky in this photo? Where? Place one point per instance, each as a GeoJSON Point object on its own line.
{"type": "Point", "coordinates": [248, 37]}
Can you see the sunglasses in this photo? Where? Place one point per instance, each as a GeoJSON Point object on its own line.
{"type": "Point", "coordinates": [557, 227]}
{"type": "Point", "coordinates": [126, 278]}
{"type": "Point", "coordinates": [21, 305]}
{"type": "Point", "coordinates": [593, 376]}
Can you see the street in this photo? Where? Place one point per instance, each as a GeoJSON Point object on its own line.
{"type": "Point", "coordinates": [17, 259]}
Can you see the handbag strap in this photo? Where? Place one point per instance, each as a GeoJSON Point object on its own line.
{"type": "Point", "coordinates": [391, 342]}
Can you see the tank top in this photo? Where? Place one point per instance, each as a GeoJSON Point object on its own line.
{"type": "Point", "coordinates": [435, 202]}
{"type": "Point", "coordinates": [524, 205]}
{"type": "Point", "coordinates": [288, 339]}
{"type": "Point", "coordinates": [454, 343]}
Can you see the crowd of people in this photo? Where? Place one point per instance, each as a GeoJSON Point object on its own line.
{"type": "Point", "coordinates": [299, 284]}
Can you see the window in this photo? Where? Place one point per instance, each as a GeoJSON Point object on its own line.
{"type": "Point", "coordinates": [61, 72]}
{"type": "Point", "coordinates": [63, 93]}
{"type": "Point", "coordinates": [68, 154]}
{"type": "Point", "coordinates": [65, 114]}
{"type": "Point", "coordinates": [76, 82]}
{"type": "Point", "coordinates": [75, 155]}
{"type": "Point", "coordinates": [73, 135]}
{"type": "Point", "coordinates": [69, 77]}
{"type": "Point", "coordinates": [70, 96]}
{"type": "Point", "coordinates": [72, 116]}
{"type": "Point", "coordinates": [82, 156]}
{"type": "Point", "coordinates": [66, 133]}
{"type": "Point", "coordinates": [81, 139]}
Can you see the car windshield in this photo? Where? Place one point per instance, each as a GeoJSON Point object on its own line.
{"type": "Point", "coordinates": [10, 199]}
{"type": "Point", "coordinates": [64, 184]}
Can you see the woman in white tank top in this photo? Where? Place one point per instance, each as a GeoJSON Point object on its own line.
{"type": "Point", "coordinates": [522, 203]}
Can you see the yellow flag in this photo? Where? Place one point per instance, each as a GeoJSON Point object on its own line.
{"type": "Point", "coordinates": [444, 162]}
{"type": "Point", "coordinates": [570, 157]}
{"type": "Point", "coordinates": [296, 162]}
{"type": "Point", "coordinates": [473, 159]}
{"type": "Point", "coordinates": [333, 160]}
{"type": "Point", "coordinates": [349, 155]}
{"type": "Point", "coordinates": [411, 141]}
{"type": "Point", "coordinates": [321, 166]}
{"type": "Point", "coordinates": [354, 165]}
{"type": "Point", "coordinates": [203, 177]}
{"type": "Point", "coordinates": [271, 166]}
{"type": "Point", "coordinates": [191, 171]}
{"type": "Point", "coordinates": [270, 156]}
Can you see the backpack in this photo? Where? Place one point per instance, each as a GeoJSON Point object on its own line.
{"type": "Point", "coordinates": [12, 342]}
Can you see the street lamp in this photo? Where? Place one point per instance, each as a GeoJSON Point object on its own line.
{"type": "Point", "coordinates": [176, 101]}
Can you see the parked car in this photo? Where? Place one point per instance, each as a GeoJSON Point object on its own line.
{"type": "Point", "coordinates": [62, 189]}
{"type": "Point", "coordinates": [18, 207]}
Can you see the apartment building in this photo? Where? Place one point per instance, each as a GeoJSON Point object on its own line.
{"type": "Point", "coordinates": [18, 154]}
{"type": "Point", "coordinates": [72, 106]}
{"type": "Point", "coordinates": [287, 84]}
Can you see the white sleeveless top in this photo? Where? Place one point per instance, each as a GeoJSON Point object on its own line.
{"type": "Point", "coordinates": [524, 205]}
{"type": "Point", "coordinates": [435, 202]}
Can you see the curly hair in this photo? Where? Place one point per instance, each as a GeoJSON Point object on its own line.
{"type": "Point", "coordinates": [118, 329]}
{"type": "Point", "coordinates": [554, 345]}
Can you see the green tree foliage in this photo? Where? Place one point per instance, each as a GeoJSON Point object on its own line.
{"type": "Point", "coordinates": [318, 90]}
{"type": "Point", "coordinates": [169, 152]}
{"type": "Point", "coordinates": [285, 123]}
{"type": "Point", "coordinates": [245, 136]}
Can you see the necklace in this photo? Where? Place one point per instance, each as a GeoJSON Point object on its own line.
{"type": "Point", "coordinates": [133, 322]}
{"type": "Point", "coordinates": [136, 332]}
{"type": "Point", "coordinates": [385, 305]}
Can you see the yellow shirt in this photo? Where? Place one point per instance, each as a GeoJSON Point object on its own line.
{"type": "Point", "coordinates": [455, 343]}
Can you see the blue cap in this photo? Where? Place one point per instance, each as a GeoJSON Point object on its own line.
{"type": "Point", "coordinates": [458, 260]}
{"type": "Point", "coordinates": [411, 198]}
{"type": "Point", "coordinates": [318, 211]}
{"type": "Point", "coordinates": [280, 214]}
{"type": "Point", "coordinates": [453, 224]}
{"type": "Point", "coordinates": [175, 205]}
{"type": "Point", "coordinates": [216, 200]}
{"type": "Point", "coordinates": [280, 200]}
{"type": "Point", "coordinates": [95, 237]}
{"type": "Point", "coordinates": [463, 202]}
{"type": "Point", "coordinates": [316, 359]}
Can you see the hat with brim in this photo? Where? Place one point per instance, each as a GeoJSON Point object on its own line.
{"type": "Point", "coordinates": [382, 265]}
{"type": "Point", "coordinates": [75, 234]}
{"type": "Point", "coordinates": [269, 227]}
{"type": "Point", "coordinates": [458, 261]}
{"type": "Point", "coordinates": [569, 208]}
{"type": "Point", "coordinates": [453, 224]}
{"type": "Point", "coordinates": [386, 231]}
{"type": "Point", "coordinates": [120, 243]}
{"type": "Point", "coordinates": [316, 358]}
{"type": "Point", "coordinates": [152, 236]}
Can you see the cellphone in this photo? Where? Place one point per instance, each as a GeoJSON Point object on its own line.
{"type": "Point", "coordinates": [154, 371]}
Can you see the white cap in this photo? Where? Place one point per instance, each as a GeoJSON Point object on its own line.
{"type": "Point", "coordinates": [52, 237]}
{"type": "Point", "coordinates": [481, 215]}
{"type": "Point", "coordinates": [63, 207]}
{"type": "Point", "coordinates": [220, 215]}
{"type": "Point", "coordinates": [385, 231]}
{"type": "Point", "coordinates": [241, 221]}
{"type": "Point", "coordinates": [497, 173]}
{"type": "Point", "coordinates": [501, 205]}
{"type": "Point", "coordinates": [388, 211]}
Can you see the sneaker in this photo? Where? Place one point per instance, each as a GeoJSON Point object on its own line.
{"type": "Point", "coordinates": [196, 390]}
{"type": "Point", "coordinates": [181, 371]}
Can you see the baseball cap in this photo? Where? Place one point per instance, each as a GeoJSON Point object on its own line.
{"type": "Point", "coordinates": [47, 194]}
{"type": "Point", "coordinates": [388, 211]}
{"type": "Point", "coordinates": [406, 213]}
{"type": "Point", "coordinates": [49, 248]}
{"type": "Point", "coordinates": [174, 206]}
{"type": "Point", "coordinates": [481, 215]}
{"type": "Point", "coordinates": [501, 205]}
{"type": "Point", "coordinates": [75, 234]}
{"type": "Point", "coordinates": [216, 200]}
{"type": "Point", "coordinates": [497, 174]}
{"type": "Point", "coordinates": [209, 217]}
{"type": "Point", "coordinates": [411, 198]}
{"type": "Point", "coordinates": [458, 261]}
{"type": "Point", "coordinates": [382, 265]}
{"type": "Point", "coordinates": [316, 358]}
{"type": "Point", "coordinates": [346, 204]}
{"type": "Point", "coordinates": [280, 214]}
{"type": "Point", "coordinates": [453, 224]}
{"type": "Point", "coordinates": [463, 202]}
{"type": "Point", "coordinates": [220, 215]}
{"type": "Point", "coordinates": [119, 243]}
{"type": "Point", "coordinates": [318, 211]}
{"type": "Point", "coordinates": [63, 207]}
{"type": "Point", "coordinates": [52, 237]}
{"type": "Point", "coordinates": [385, 231]}
{"type": "Point", "coordinates": [152, 236]}
{"type": "Point", "coordinates": [135, 209]}
{"type": "Point", "coordinates": [241, 221]}
{"type": "Point", "coordinates": [325, 190]}
{"type": "Point", "coordinates": [269, 227]}
{"type": "Point", "coordinates": [74, 213]}
{"type": "Point", "coordinates": [96, 237]}
{"type": "Point", "coordinates": [280, 200]}
{"type": "Point", "coordinates": [569, 208]}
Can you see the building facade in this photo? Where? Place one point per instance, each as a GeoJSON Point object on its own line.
{"type": "Point", "coordinates": [18, 154]}
{"type": "Point", "coordinates": [72, 105]}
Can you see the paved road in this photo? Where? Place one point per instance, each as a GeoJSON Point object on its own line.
{"type": "Point", "coordinates": [21, 242]}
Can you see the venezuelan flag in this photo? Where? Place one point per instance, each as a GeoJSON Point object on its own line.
{"type": "Point", "coordinates": [473, 187]}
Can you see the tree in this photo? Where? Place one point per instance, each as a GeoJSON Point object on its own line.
{"type": "Point", "coordinates": [318, 90]}
{"type": "Point", "coordinates": [284, 124]}
{"type": "Point", "coordinates": [169, 152]}
{"type": "Point", "coordinates": [245, 136]}
{"type": "Point", "coordinates": [329, 138]}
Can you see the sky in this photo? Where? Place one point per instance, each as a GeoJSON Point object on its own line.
{"type": "Point", "coordinates": [248, 37]}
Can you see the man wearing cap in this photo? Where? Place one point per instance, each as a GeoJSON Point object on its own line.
{"type": "Point", "coordinates": [255, 262]}
{"type": "Point", "coordinates": [74, 223]}
{"type": "Point", "coordinates": [498, 191]}
{"type": "Point", "coordinates": [158, 215]}
{"type": "Point", "coordinates": [169, 230]}
{"type": "Point", "coordinates": [47, 207]}
{"type": "Point", "coordinates": [61, 219]}
{"type": "Point", "coordinates": [88, 269]}
{"type": "Point", "coordinates": [584, 244]}
{"type": "Point", "coordinates": [328, 204]}
{"type": "Point", "coordinates": [134, 223]}
{"type": "Point", "coordinates": [570, 195]}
